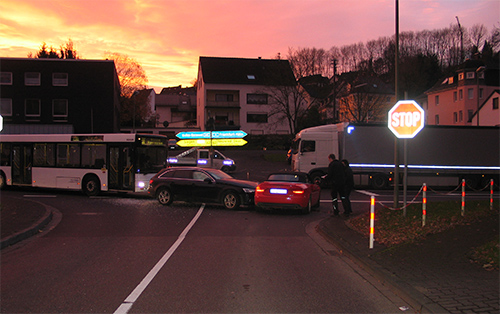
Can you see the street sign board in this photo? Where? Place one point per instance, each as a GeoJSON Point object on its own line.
{"type": "Point", "coordinates": [228, 134]}
{"type": "Point", "coordinates": [213, 142]}
{"type": "Point", "coordinates": [211, 134]}
{"type": "Point", "coordinates": [193, 135]}
{"type": "Point", "coordinates": [1, 122]}
{"type": "Point", "coordinates": [406, 119]}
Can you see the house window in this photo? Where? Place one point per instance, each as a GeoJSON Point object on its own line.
{"type": "Point", "coordinates": [257, 99]}
{"type": "Point", "coordinates": [470, 75]}
{"type": "Point", "coordinates": [436, 99]}
{"type": "Point", "coordinates": [461, 94]}
{"type": "Point", "coordinates": [495, 103]}
{"type": "Point", "coordinates": [455, 117]}
{"type": "Point", "coordinates": [60, 79]}
{"type": "Point", "coordinates": [470, 93]}
{"type": "Point", "coordinates": [6, 78]}
{"type": "Point", "coordinates": [6, 107]}
{"type": "Point", "coordinates": [480, 75]}
{"type": "Point", "coordinates": [460, 76]}
{"type": "Point", "coordinates": [32, 108]}
{"type": "Point", "coordinates": [436, 119]}
{"type": "Point", "coordinates": [32, 78]}
{"type": "Point", "coordinates": [470, 112]}
{"type": "Point", "coordinates": [256, 117]}
{"type": "Point", "coordinates": [224, 97]}
{"type": "Point", "coordinates": [455, 97]}
{"type": "Point", "coordinates": [460, 116]}
{"type": "Point", "coordinates": [60, 108]}
{"type": "Point", "coordinates": [481, 93]}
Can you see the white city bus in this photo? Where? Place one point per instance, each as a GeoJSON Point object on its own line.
{"type": "Point", "coordinates": [87, 162]}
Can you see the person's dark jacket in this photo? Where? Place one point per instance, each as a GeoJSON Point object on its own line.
{"type": "Point", "coordinates": [336, 174]}
{"type": "Point", "coordinates": [349, 178]}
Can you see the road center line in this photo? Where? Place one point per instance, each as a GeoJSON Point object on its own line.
{"type": "Point", "coordinates": [130, 300]}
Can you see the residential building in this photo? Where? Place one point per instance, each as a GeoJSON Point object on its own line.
{"type": "Point", "coordinates": [59, 96]}
{"type": "Point", "coordinates": [488, 113]}
{"type": "Point", "coordinates": [235, 93]}
{"type": "Point", "coordinates": [454, 100]}
{"type": "Point", "coordinates": [176, 107]}
{"type": "Point", "coordinates": [365, 99]}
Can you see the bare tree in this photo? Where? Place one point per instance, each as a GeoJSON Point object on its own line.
{"type": "Point", "coordinates": [132, 80]}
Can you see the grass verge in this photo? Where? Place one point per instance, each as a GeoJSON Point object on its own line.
{"type": "Point", "coordinates": [393, 228]}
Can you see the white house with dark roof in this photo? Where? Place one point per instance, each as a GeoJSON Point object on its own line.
{"type": "Point", "coordinates": [231, 94]}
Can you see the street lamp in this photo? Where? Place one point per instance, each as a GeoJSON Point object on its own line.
{"type": "Point", "coordinates": [478, 70]}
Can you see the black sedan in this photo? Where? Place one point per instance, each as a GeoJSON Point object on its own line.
{"type": "Point", "coordinates": [202, 185]}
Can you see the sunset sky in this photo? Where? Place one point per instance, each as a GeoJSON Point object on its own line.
{"type": "Point", "coordinates": [167, 37]}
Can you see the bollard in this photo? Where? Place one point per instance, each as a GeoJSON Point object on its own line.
{"type": "Point", "coordinates": [372, 220]}
{"type": "Point", "coordinates": [463, 197]}
{"type": "Point", "coordinates": [424, 205]}
{"type": "Point", "coordinates": [491, 194]}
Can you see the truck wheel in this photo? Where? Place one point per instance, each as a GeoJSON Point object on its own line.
{"type": "Point", "coordinates": [3, 182]}
{"type": "Point", "coordinates": [316, 178]}
{"type": "Point", "coordinates": [225, 169]}
{"type": "Point", "coordinates": [379, 181]}
{"type": "Point", "coordinates": [164, 196]}
{"type": "Point", "coordinates": [91, 185]}
{"type": "Point", "coordinates": [231, 200]}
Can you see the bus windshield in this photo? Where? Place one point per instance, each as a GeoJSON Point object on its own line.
{"type": "Point", "coordinates": [151, 159]}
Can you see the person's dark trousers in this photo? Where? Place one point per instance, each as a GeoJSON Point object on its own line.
{"type": "Point", "coordinates": [346, 202]}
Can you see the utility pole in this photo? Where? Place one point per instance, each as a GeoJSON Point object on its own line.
{"type": "Point", "coordinates": [396, 140]}
{"type": "Point", "coordinates": [461, 40]}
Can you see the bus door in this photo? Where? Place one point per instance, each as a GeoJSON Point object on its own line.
{"type": "Point", "coordinates": [121, 167]}
{"type": "Point", "coordinates": [22, 161]}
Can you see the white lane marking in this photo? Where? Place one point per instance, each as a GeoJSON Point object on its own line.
{"type": "Point", "coordinates": [367, 193]}
{"type": "Point", "coordinates": [129, 301]}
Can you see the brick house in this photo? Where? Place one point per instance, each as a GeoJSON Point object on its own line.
{"type": "Point", "coordinates": [59, 96]}
{"type": "Point", "coordinates": [454, 100]}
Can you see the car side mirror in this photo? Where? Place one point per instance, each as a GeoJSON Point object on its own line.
{"type": "Point", "coordinates": [207, 180]}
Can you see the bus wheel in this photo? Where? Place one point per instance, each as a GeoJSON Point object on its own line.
{"type": "Point", "coordinates": [2, 180]}
{"type": "Point", "coordinates": [91, 185]}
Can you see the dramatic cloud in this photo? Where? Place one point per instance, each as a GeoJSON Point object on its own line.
{"type": "Point", "coordinates": [167, 36]}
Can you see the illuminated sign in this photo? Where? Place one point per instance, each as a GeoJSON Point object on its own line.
{"type": "Point", "coordinates": [406, 119]}
{"type": "Point", "coordinates": [213, 142]}
{"type": "Point", "coordinates": [193, 135]}
{"type": "Point", "coordinates": [193, 143]}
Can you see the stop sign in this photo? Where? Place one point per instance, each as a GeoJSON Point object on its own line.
{"type": "Point", "coordinates": [406, 119]}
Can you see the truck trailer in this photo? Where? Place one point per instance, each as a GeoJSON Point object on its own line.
{"type": "Point", "coordinates": [437, 155]}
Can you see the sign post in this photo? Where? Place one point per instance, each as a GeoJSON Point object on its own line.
{"type": "Point", "coordinates": [406, 120]}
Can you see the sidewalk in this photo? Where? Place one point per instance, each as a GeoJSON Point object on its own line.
{"type": "Point", "coordinates": [433, 276]}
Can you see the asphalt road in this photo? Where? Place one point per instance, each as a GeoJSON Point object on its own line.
{"type": "Point", "coordinates": [103, 248]}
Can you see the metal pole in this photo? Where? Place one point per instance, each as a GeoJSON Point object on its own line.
{"type": "Point", "coordinates": [463, 197]}
{"type": "Point", "coordinates": [396, 142]}
{"type": "Point", "coordinates": [424, 205]}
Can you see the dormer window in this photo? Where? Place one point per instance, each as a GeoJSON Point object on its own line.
{"type": "Point", "coordinates": [470, 75]}
{"type": "Point", "coordinates": [461, 76]}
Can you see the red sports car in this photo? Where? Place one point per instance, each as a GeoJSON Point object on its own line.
{"type": "Point", "coordinates": [288, 190]}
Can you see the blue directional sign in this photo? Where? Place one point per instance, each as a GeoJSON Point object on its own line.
{"type": "Point", "coordinates": [228, 134]}
{"type": "Point", "coordinates": [193, 135]}
{"type": "Point", "coordinates": [211, 134]}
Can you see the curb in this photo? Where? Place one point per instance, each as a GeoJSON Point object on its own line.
{"type": "Point", "coordinates": [406, 292]}
{"type": "Point", "coordinates": [28, 232]}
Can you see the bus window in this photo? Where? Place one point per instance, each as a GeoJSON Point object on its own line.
{"type": "Point", "coordinates": [151, 159]}
{"type": "Point", "coordinates": [44, 155]}
{"type": "Point", "coordinates": [4, 154]}
{"type": "Point", "coordinates": [68, 155]}
{"type": "Point", "coordinates": [93, 156]}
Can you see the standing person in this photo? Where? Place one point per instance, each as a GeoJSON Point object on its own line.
{"type": "Point", "coordinates": [336, 177]}
{"type": "Point", "coordinates": [349, 185]}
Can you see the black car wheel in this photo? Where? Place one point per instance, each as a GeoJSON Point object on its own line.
{"type": "Point", "coordinates": [308, 208]}
{"type": "Point", "coordinates": [164, 196]}
{"type": "Point", "coordinates": [231, 200]}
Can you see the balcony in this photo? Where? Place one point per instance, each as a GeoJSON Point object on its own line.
{"type": "Point", "coordinates": [222, 104]}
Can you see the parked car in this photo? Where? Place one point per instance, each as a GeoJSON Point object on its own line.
{"type": "Point", "coordinates": [204, 185]}
{"type": "Point", "coordinates": [288, 190]}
